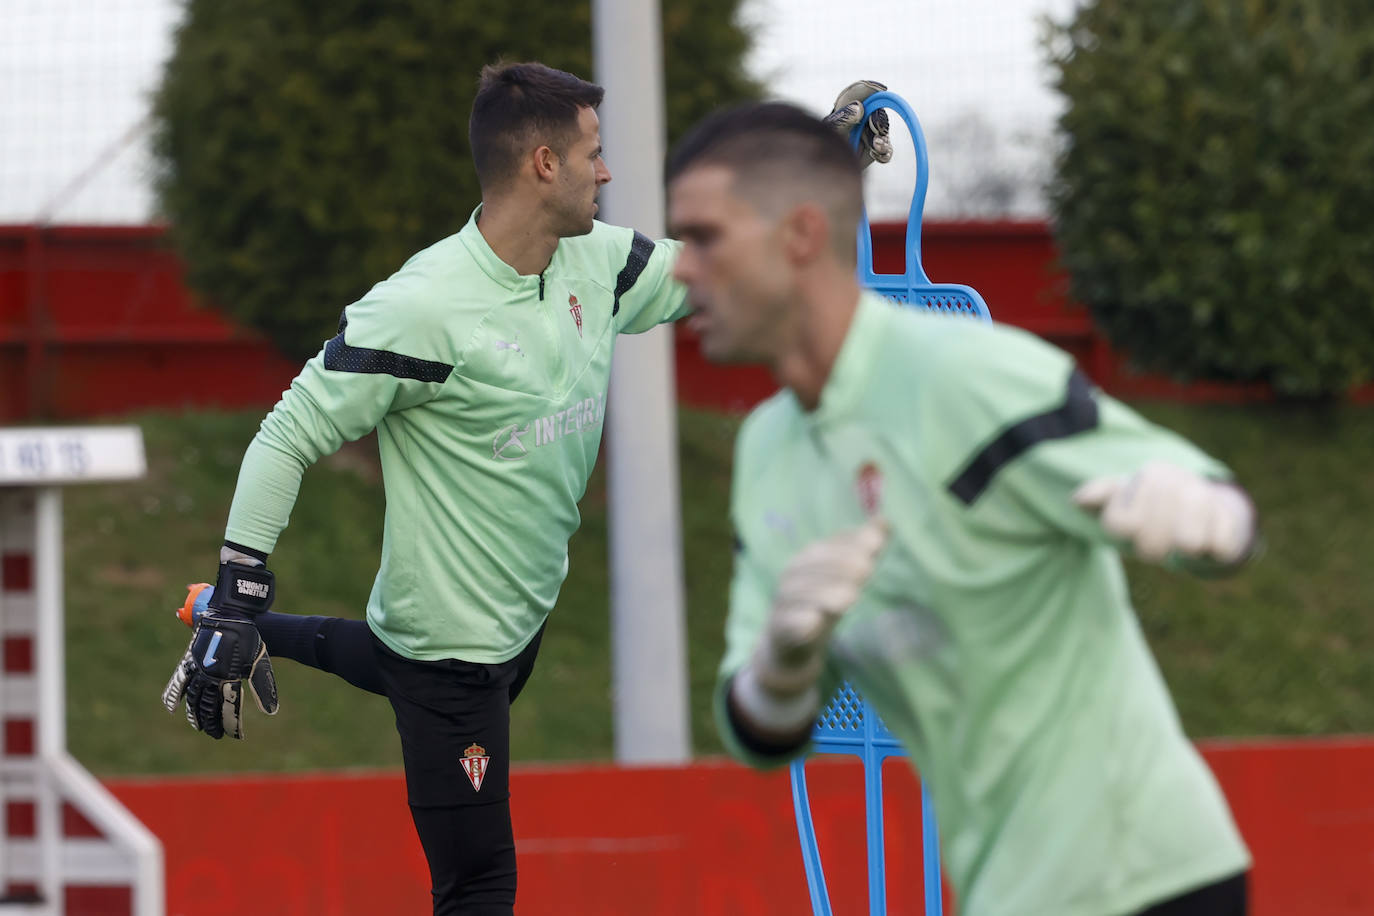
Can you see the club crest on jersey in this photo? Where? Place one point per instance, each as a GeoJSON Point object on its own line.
{"type": "Point", "coordinates": [575, 308]}
{"type": "Point", "coordinates": [869, 485]}
{"type": "Point", "coordinates": [474, 763]}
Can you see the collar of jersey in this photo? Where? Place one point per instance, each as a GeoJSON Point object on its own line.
{"type": "Point", "coordinates": [495, 268]}
{"type": "Point", "coordinates": [845, 386]}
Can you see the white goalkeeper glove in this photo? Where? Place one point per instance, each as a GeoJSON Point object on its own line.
{"type": "Point", "coordinates": [875, 144]}
{"type": "Point", "coordinates": [1164, 509]}
{"type": "Point", "coordinates": [777, 689]}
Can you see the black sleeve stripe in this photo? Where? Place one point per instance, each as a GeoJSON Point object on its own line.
{"type": "Point", "coordinates": [784, 749]}
{"type": "Point", "coordinates": [340, 357]}
{"type": "Point", "coordinates": [640, 249]}
{"type": "Point", "coordinates": [256, 554]}
{"type": "Point", "coordinates": [1076, 415]}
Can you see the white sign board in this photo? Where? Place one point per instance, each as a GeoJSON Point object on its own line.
{"type": "Point", "coordinates": [70, 454]}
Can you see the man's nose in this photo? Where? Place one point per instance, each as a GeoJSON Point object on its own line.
{"type": "Point", "coordinates": [603, 174]}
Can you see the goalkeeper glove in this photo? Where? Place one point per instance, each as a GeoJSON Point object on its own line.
{"type": "Point", "coordinates": [777, 689]}
{"type": "Point", "coordinates": [226, 650]}
{"type": "Point", "coordinates": [1163, 509]}
{"type": "Point", "coordinates": [875, 144]}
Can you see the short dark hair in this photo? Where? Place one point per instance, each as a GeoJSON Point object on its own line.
{"type": "Point", "coordinates": [779, 155]}
{"type": "Point", "coordinates": [519, 104]}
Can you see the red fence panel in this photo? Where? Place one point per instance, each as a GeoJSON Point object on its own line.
{"type": "Point", "coordinates": [97, 320]}
{"type": "Point", "coordinates": [708, 839]}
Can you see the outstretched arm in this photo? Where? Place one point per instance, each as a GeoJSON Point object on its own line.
{"type": "Point", "coordinates": [1044, 453]}
{"type": "Point", "coordinates": [645, 292]}
{"type": "Point", "coordinates": [383, 359]}
{"type": "Point", "coordinates": [1164, 511]}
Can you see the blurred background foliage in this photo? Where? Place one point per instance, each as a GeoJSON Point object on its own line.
{"type": "Point", "coordinates": [305, 150]}
{"type": "Point", "coordinates": [1215, 185]}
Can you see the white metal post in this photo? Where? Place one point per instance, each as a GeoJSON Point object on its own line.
{"type": "Point", "coordinates": [649, 654]}
{"type": "Point", "coordinates": [50, 667]}
{"type": "Point", "coordinates": [49, 657]}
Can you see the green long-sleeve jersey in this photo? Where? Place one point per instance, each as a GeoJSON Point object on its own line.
{"type": "Point", "coordinates": [996, 637]}
{"type": "Point", "coordinates": [487, 389]}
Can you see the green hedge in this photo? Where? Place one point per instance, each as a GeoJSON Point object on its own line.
{"type": "Point", "coordinates": [1214, 201]}
{"type": "Point", "coordinates": [305, 150]}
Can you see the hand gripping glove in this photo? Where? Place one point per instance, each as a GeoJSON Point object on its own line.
{"type": "Point", "coordinates": [777, 688]}
{"type": "Point", "coordinates": [875, 144]}
{"type": "Point", "coordinates": [225, 650]}
{"type": "Point", "coordinates": [1163, 509]}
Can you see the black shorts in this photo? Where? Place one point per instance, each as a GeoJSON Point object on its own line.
{"type": "Point", "coordinates": [454, 721]}
{"type": "Point", "coordinates": [1227, 897]}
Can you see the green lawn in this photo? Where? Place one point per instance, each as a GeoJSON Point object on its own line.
{"type": "Point", "coordinates": [1286, 649]}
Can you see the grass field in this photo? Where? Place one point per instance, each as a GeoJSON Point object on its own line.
{"type": "Point", "coordinates": [1286, 649]}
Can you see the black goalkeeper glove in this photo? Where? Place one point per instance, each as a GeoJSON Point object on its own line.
{"type": "Point", "coordinates": [875, 142]}
{"type": "Point", "coordinates": [226, 649]}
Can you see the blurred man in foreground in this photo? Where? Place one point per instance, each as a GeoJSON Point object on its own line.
{"type": "Point", "coordinates": [932, 509]}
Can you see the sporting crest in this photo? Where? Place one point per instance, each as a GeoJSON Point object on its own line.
{"type": "Point", "coordinates": [575, 308]}
{"type": "Point", "coordinates": [475, 761]}
{"type": "Point", "coordinates": [869, 485]}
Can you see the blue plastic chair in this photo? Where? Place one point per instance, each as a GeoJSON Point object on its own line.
{"type": "Point", "coordinates": [848, 725]}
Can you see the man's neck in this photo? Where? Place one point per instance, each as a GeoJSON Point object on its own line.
{"type": "Point", "coordinates": [517, 233]}
{"type": "Point", "coordinates": [824, 312]}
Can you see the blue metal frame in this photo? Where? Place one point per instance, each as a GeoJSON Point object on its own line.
{"type": "Point", "coordinates": [848, 725]}
{"type": "Point", "coordinates": [913, 287]}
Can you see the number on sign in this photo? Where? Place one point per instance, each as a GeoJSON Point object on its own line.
{"type": "Point", "coordinates": [33, 457]}
{"type": "Point", "coordinates": [73, 456]}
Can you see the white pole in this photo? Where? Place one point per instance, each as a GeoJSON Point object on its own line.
{"type": "Point", "coordinates": [50, 632]}
{"type": "Point", "coordinates": [50, 665]}
{"type": "Point", "coordinates": [648, 631]}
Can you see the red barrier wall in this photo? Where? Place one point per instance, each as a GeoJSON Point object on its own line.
{"type": "Point", "coordinates": [97, 320]}
{"type": "Point", "coordinates": [709, 839]}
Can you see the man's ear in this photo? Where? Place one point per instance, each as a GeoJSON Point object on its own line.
{"type": "Point", "coordinates": [545, 162]}
{"type": "Point", "coordinates": [805, 232]}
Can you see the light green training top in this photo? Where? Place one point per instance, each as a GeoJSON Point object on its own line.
{"type": "Point", "coordinates": [996, 637]}
{"type": "Point", "coordinates": [487, 389]}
